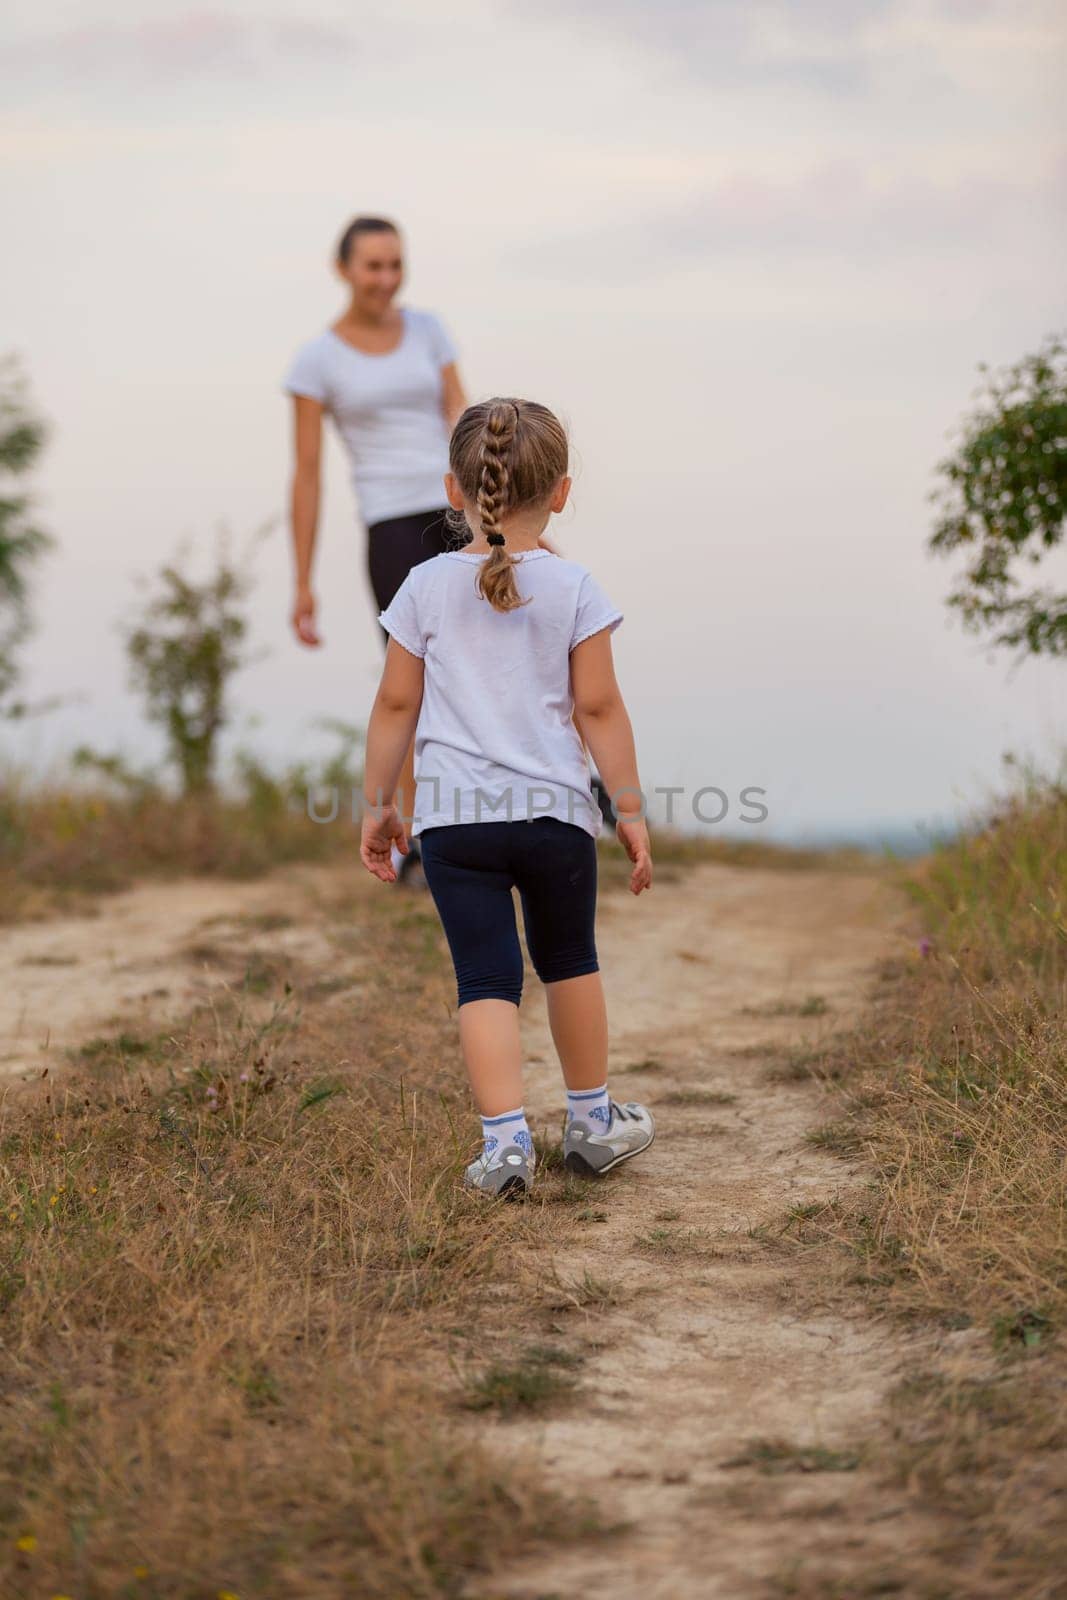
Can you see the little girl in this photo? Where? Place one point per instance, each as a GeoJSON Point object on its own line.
{"type": "Point", "coordinates": [496, 651]}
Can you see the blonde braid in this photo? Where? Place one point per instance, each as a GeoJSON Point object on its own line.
{"type": "Point", "coordinates": [505, 455]}
{"type": "Point", "coordinates": [496, 575]}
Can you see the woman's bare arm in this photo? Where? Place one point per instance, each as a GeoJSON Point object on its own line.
{"type": "Point", "coordinates": [453, 398]}
{"type": "Point", "coordinates": [304, 510]}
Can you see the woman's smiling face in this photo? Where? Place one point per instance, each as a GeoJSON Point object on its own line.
{"type": "Point", "coordinates": [375, 267]}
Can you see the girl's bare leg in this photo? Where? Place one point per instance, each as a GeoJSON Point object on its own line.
{"type": "Point", "coordinates": [578, 1017]}
{"type": "Point", "coordinates": [489, 1035]}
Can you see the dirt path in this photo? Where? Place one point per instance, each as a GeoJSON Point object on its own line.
{"type": "Point", "coordinates": [710, 1346]}
{"type": "Point", "coordinates": [713, 1341]}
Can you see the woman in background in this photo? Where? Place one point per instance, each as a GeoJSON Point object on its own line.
{"type": "Point", "coordinates": [387, 376]}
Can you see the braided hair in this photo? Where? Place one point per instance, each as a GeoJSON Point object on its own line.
{"type": "Point", "coordinates": [506, 454]}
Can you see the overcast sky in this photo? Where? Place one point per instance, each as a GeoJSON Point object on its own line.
{"type": "Point", "coordinates": [751, 252]}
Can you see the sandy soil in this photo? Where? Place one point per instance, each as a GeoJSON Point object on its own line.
{"type": "Point", "coordinates": [716, 1339]}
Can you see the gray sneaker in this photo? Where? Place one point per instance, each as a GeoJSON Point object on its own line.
{"type": "Point", "coordinates": [590, 1154]}
{"type": "Point", "coordinates": [507, 1173]}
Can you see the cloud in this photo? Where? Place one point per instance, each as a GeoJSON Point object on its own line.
{"type": "Point", "coordinates": [835, 212]}
{"type": "Point", "coordinates": [831, 47]}
{"type": "Point", "coordinates": [184, 46]}
{"type": "Point", "coordinates": [819, 43]}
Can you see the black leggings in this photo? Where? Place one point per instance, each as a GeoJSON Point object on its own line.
{"type": "Point", "coordinates": [397, 544]}
{"type": "Point", "coordinates": [471, 867]}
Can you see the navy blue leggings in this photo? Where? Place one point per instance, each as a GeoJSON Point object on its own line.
{"type": "Point", "coordinates": [471, 867]}
{"type": "Point", "coordinates": [397, 544]}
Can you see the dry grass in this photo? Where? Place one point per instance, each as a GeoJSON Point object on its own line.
{"type": "Point", "coordinates": [60, 846]}
{"type": "Point", "coordinates": [237, 1278]}
{"type": "Point", "coordinates": [955, 1089]}
{"type": "Point", "coordinates": [776, 1456]}
{"type": "Point", "coordinates": [814, 1005]}
{"type": "Point", "coordinates": [674, 851]}
{"type": "Point", "coordinates": [959, 1081]}
{"type": "Point", "coordinates": [696, 1095]}
{"type": "Point", "coordinates": [64, 842]}
{"type": "Point", "coordinates": [541, 1375]}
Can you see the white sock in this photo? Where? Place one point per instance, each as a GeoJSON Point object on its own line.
{"type": "Point", "coordinates": [510, 1128]}
{"type": "Point", "coordinates": [591, 1106]}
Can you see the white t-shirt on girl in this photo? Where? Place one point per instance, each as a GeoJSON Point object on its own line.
{"type": "Point", "coordinates": [387, 410]}
{"type": "Point", "coordinates": [495, 741]}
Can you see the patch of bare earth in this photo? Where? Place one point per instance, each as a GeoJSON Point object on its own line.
{"type": "Point", "coordinates": [146, 956]}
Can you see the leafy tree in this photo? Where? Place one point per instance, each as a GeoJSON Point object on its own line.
{"type": "Point", "coordinates": [184, 649]}
{"type": "Point", "coordinates": [1004, 500]}
{"type": "Point", "coordinates": [22, 541]}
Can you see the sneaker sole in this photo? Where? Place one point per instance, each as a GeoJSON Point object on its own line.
{"type": "Point", "coordinates": [511, 1189]}
{"type": "Point", "coordinates": [584, 1169]}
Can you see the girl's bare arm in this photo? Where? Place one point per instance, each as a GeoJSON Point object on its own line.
{"type": "Point", "coordinates": [603, 721]}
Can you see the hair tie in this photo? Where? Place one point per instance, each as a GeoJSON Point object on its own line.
{"type": "Point", "coordinates": [494, 538]}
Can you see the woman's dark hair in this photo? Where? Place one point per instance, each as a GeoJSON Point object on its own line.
{"type": "Point", "coordinates": [358, 226]}
{"type": "Point", "coordinates": [506, 454]}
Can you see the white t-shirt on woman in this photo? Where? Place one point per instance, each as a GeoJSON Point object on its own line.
{"type": "Point", "coordinates": [495, 741]}
{"type": "Point", "coordinates": [387, 409]}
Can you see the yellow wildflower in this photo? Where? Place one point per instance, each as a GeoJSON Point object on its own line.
{"type": "Point", "coordinates": [27, 1544]}
{"type": "Point", "coordinates": [54, 1200]}
{"type": "Point", "coordinates": [140, 1572]}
